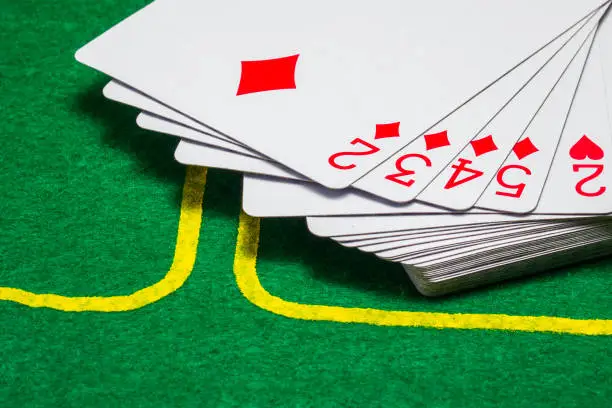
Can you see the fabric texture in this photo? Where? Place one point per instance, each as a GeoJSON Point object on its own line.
{"type": "Point", "coordinates": [90, 207]}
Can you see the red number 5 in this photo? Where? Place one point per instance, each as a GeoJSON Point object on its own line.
{"type": "Point", "coordinates": [332, 159]}
{"type": "Point", "coordinates": [518, 187]}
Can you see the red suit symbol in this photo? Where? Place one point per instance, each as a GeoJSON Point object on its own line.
{"type": "Point", "coordinates": [524, 148]}
{"type": "Point", "coordinates": [435, 140]}
{"type": "Point", "coordinates": [267, 75]}
{"type": "Point", "coordinates": [584, 148]}
{"type": "Point", "coordinates": [386, 130]}
{"type": "Point", "coordinates": [484, 145]}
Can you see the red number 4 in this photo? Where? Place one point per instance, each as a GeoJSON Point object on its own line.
{"type": "Point", "coordinates": [459, 168]}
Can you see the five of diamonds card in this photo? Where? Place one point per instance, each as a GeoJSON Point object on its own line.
{"type": "Point", "coordinates": [469, 141]}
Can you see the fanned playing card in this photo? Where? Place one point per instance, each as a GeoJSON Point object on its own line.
{"type": "Point", "coordinates": [476, 111]}
{"type": "Point", "coordinates": [328, 89]}
{"type": "Point", "coordinates": [305, 200]}
{"type": "Point", "coordinates": [472, 154]}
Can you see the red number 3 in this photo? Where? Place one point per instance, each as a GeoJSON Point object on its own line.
{"type": "Point", "coordinates": [371, 150]}
{"type": "Point", "coordinates": [406, 172]}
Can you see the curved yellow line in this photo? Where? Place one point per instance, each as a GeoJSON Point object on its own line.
{"type": "Point", "coordinates": [182, 265]}
{"type": "Point", "coordinates": [248, 282]}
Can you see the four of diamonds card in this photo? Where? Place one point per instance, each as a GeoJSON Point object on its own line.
{"type": "Point", "coordinates": [470, 141]}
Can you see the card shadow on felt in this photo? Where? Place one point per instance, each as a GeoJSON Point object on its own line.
{"type": "Point", "coordinates": [153, 152]}
{"type": "Point", "coordinates": [287, 241]}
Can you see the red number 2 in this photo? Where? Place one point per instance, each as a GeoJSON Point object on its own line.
{"type": "Point", "coordinates": [406, 172]}
{"type": "Point", "coordinates": [598, 170]}
{"type": "Point", "coordinates": [332, 159]}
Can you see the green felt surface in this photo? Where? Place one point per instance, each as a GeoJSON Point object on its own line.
{"type": "Point", "coordinates": [90, 206]}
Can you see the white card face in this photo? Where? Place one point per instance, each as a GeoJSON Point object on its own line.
{"type": "Point", "coordinates": [214, 152]}
{"type": "Point", "coordinates": [160, 118]}
{"type": "Point", "coordinates": [193, 154]}
{"type": "Point", "coordinates": [405, 174]}
{"type": "Point", "coordinates": [274, 197]}
{"type": "Point", "coordinates": [295, 199]}
{"type": "Point", "coordinates": [605, 31]}
{"type": "Point", "coordinates": [334, 226]}
{"type": "Point", "coordinates": [290, 196]}
{"type": "Point", "coordinates": [298, 200]}
{"type": "Point", "coordinates": [194, 131]}
{"type": "Point", "coordinates": [519, 181]}
{"type": "Point", "coordinates": [256, 203]}
{"type": "Point", "coordinates": [579, 180]}
{"type": "Point", "coordinates": [118, 92]}
{"type": "Point", "coordinates": [326, 92]}
{"type": "Point", "coordinates": [157, 124]}
{"type": "Point", "coordinates": [461, 183]}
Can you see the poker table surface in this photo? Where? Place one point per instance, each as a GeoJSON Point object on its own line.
{"type": "Point", "coordinates": [129, 279]}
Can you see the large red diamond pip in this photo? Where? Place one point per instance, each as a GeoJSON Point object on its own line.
{"type": "Point", "coordinates": [267, 75]}
{"type": "Point", "coordinates": [385, 130]}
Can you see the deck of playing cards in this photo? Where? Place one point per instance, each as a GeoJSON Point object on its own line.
{"type": "Point", "coordinates": [470, 140]}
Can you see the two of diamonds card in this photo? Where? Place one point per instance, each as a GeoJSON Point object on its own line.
{"type": "Point", "coordinates": [466, 140]}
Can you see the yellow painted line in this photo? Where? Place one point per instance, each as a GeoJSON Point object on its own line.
{"type": "Point", "coordinates": [245, 271]}
{"type": "Point", "coordinates": [182, 265]}
{"type": "Point", "coordinates": [245, 260]}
